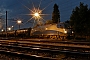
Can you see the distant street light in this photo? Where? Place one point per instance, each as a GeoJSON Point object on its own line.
{"type": "Point", "coordinates": [19, 22]}
{"type": "Point", "coordinates": [9, 29]}
{"type": "Point", "coordinates": [12, 27]}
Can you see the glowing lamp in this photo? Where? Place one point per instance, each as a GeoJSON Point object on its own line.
{"type": "Point", "coordinates": [19, 21]}
{"type": "Point", "coordinates": [36, 14]}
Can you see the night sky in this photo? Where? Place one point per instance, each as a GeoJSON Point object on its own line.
{"type": "Point", "coordinates": [17, 9]}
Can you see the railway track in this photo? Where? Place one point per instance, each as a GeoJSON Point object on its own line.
{"type": "Point", "coordinates": [46, 49]}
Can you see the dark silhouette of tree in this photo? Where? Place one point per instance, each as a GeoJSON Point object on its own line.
{"type": "Point", "coordinates": [80, 20]}
{"type": "Point", "coordinates": [56, 14]}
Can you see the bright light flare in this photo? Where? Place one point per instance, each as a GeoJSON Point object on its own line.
{"type": "Point", "coordinates": [36, 14]}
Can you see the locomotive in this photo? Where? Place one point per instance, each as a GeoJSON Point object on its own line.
{"type": "Point", "coordinates": [52, 31]}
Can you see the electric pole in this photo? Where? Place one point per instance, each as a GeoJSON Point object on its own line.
{"type": "Point", "coordinates": [6, 24]}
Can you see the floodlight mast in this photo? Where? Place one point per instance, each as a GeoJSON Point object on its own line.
{"type": "Point", "coordinates": [19, 22]}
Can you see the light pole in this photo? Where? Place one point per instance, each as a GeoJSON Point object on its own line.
{"type": "Point", "coordinates": [19, 22]}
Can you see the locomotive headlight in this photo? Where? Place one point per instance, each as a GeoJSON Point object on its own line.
{"type": "Point", "coordinates": [72, 32]}
{"type": "Point", "coordinates": [65, 31]}
{"type": "Point", "coordinates": [2, 30]}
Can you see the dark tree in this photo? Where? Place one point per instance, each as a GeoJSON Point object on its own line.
{"type": "Point", "coordinates": [80, 20]}
{"type": "Point", "coordinates": [56, 14]}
